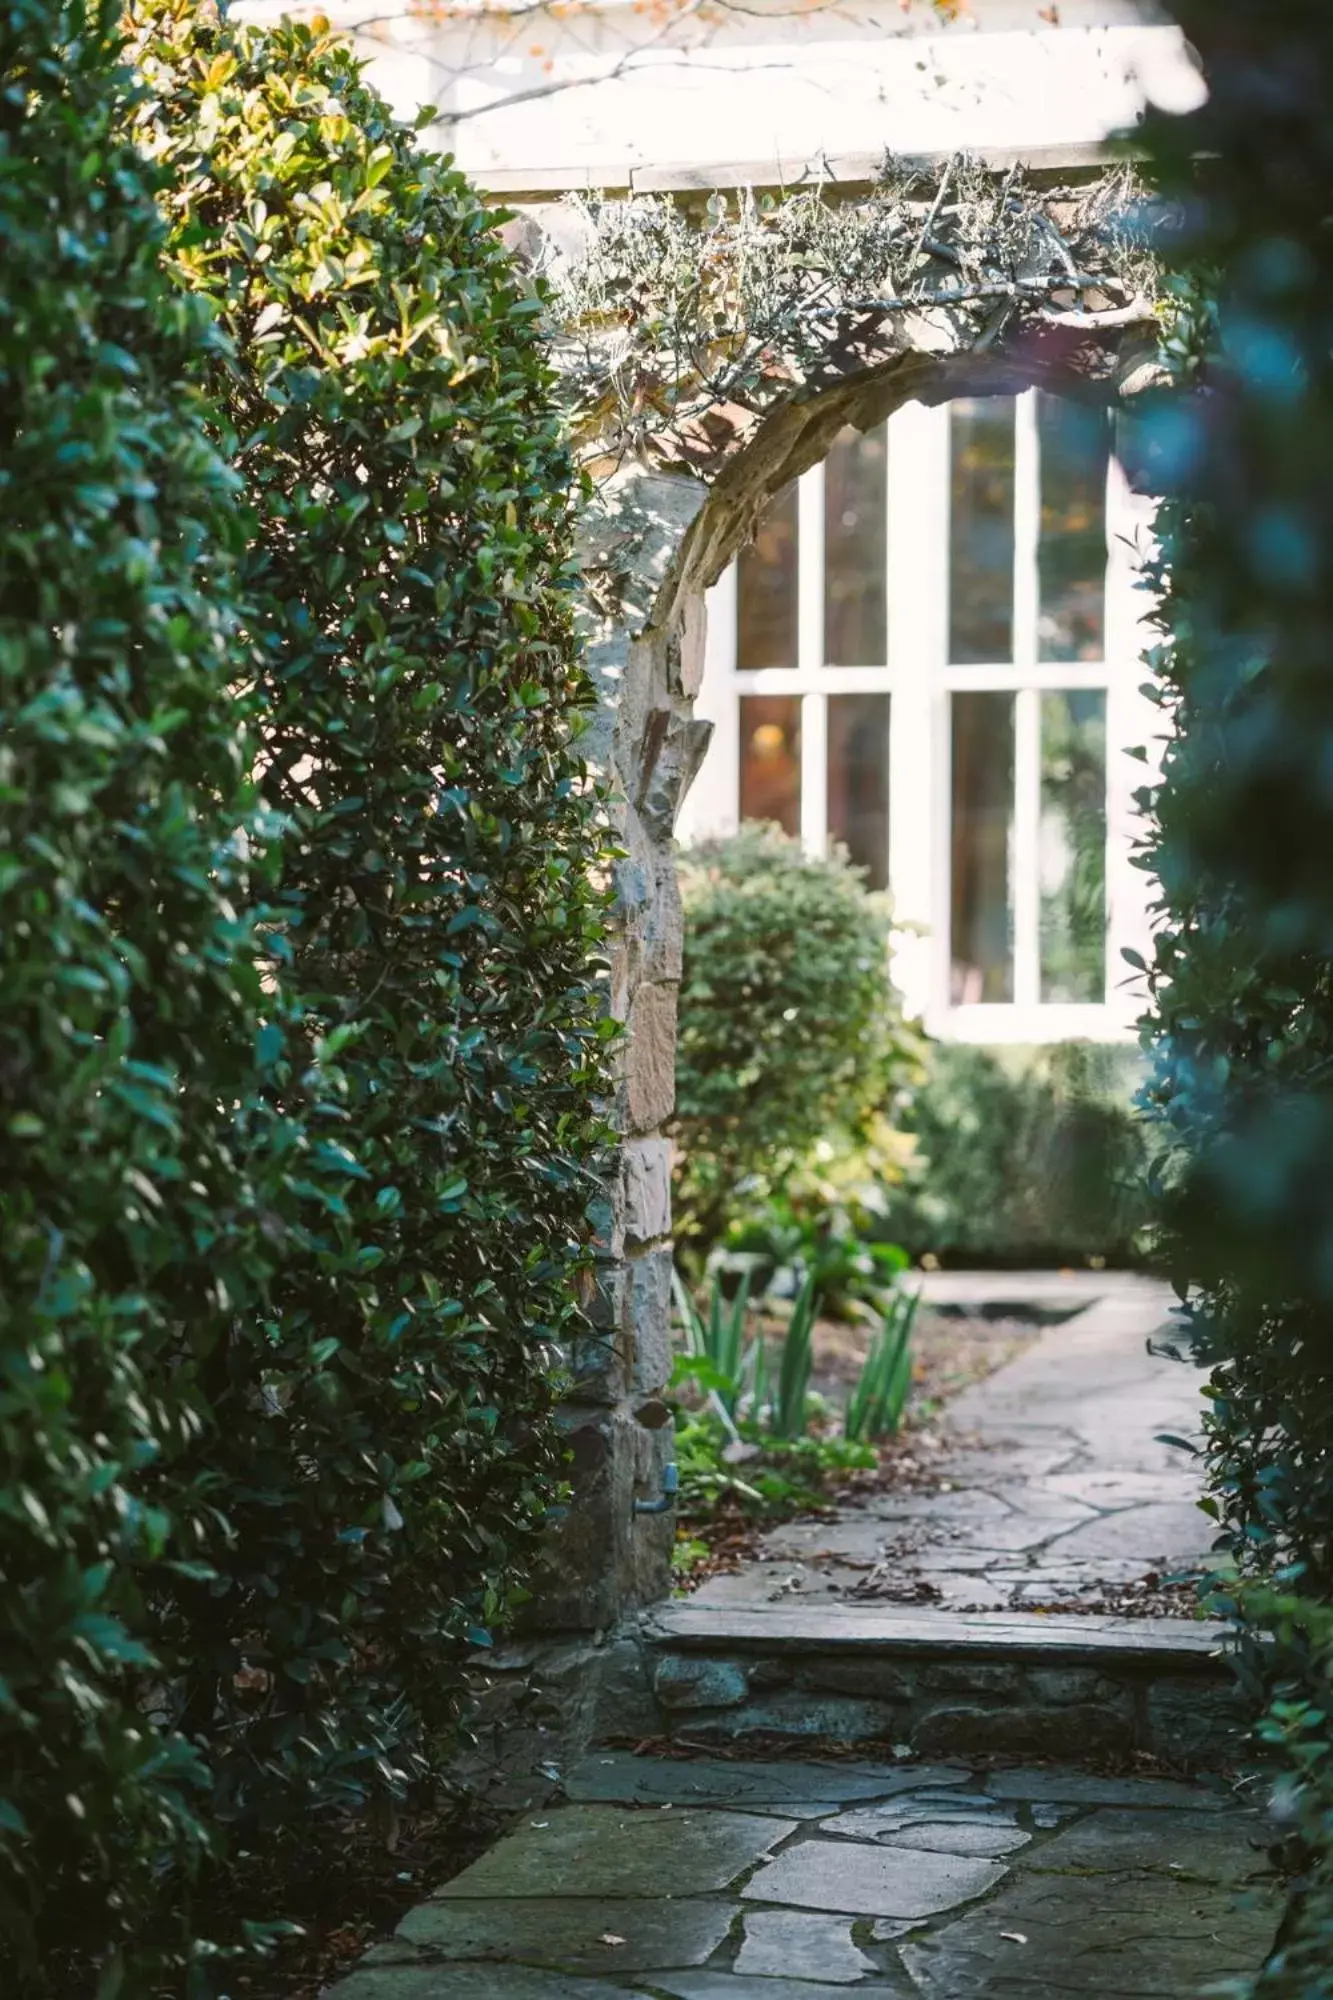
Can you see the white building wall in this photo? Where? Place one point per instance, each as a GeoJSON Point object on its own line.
{"type": "Point", "coordinates": [610, 92]}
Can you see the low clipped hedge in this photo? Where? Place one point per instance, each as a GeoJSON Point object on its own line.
{"type": "Point", "coordinates": [298, 951]}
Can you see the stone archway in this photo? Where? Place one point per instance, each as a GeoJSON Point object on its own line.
{"type": "Point", "coordinates": [672, 506]}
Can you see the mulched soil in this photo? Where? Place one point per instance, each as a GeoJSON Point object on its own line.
{"type": "Point", "coordinates": [949, 1351]}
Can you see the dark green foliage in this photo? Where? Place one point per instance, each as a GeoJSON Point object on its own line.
{"type": "Point", "coordinates": [297, 1079]}
{"type": "Point", "coordinates": [131, 1211]}
{"type": "Point", "coordinates": [408, 586]}
{"type": "Point", "coordinates": [1243, 970]}
{"type": "Point", "coordinates": [789, 1028]}
{"type": "Point", "coordinates": [1024, 1156]}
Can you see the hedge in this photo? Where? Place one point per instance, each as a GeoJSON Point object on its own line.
{"type": "Point", "coordinates": [408, 576]}
{"type": "Point", "coordinates": [299, 997]}
{"type": "Point", "coordinates": [132, 851]}
{"type": "Point", "coordinates": [1242, 973]}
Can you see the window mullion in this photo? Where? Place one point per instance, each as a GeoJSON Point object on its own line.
{"type": "Point", "coordinates": [917, 590]}
{"type": "Point", "coordinates": [1026, 860]}
{"type": "Point", "coordinates": [810, 658]}
{"type": "Point", "coordinates": [1025, 878]}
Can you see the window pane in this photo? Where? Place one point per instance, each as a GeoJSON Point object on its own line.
{"type": "Point", "coordinates": [981, 901]}
{"type": "Point", "coordinates": [855, 511]}
{"type": "Point", "coordinates": [766, 590]}
{"type": "Point", "coordinates": [981, 530]}
{"type": "Point", "coordinates": [858, 780]}
{"type": "Point", "coordinates": [1071, 560]}
{"type": "Point", "coordinates": [1073, 846]}
{"type": "Point", "coordinates": [771, 759]}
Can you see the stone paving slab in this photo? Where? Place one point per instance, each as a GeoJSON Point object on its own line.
{"type": "Point", "coordinates": [575, 1849]}
{"type": "Point", "coordinates": [1119, 1938]}
{"type": "Point", "coordinates": [479, 1982]}
{"type": "Point", "coordinates": [1119, 1840]}
{"type": "Point", "coordinates": [784, 1785]}
{"type": "Point", "coordinates": [1108, 1888]}
{"type": "Point", "coordinates": [573, 1933]}
{"type": "Point", "coordinates": [739, 1986]}
{"type": "Point", "coordinates": [871, 1881]}
{"type": "Point", "coordinates": [801, 1944]}
{"type": "Point", "coordinates": [1079, 1788]}
{"type": "Point", "coordinates": [840, 1628]}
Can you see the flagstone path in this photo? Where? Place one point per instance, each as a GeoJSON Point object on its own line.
{"type": "Point", "coordinates": [716, 1880]}
{"type": "Point", "coordinates": [1054, 1491]}
{"type": "Point", "coordinates": [709, 1878]}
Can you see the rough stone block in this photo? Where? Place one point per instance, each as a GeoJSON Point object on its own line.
{"type": "Point", "coordinates": [650, 1321]}
{"type": "Point", "coordinates": [686, 1683]}
{"type": "Point", "coordinates": [586, 1556]}
{"type": "Point", "coordinates": [664, 925]}
{"type": "Point", "coordinates": [650, 1062]}
{"type": "Point", "coordinates": [1059, 1686]}
{"type": "Point", "coordinates": [622, 1698]}
{"type": "Point", "coordinates": [690, 645]}
{"type": "Point", "coordinates": [880, 1680]}
{"type": "Point", "coordinates": [1194, 1721]}
{"type": "Point", "coordinates": [646, 1190]}
{"type": "Point", "coordinates": [1000, 1677]}
{"type": "Point", "coordinates": [1064, 1732]}
{"type": "Point", "coordinates": [797, 1712]}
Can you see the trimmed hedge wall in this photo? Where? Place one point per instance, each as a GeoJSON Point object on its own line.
{"type": "Point", "coordinates": [132, 1210]}
{"type": "Point", "coordinates": [409, 583]}
{"type": "Point", "coordinates": [299, 942]}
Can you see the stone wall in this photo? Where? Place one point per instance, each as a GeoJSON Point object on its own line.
{"type": "Point", "coordinates": [604, 1558]}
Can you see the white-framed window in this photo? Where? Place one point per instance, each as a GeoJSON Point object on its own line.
{"type": "Point", "coordinates": [931, 653]}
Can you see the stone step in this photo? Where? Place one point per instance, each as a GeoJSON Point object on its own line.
{"type": "Point", "coordinates": [944, 1684]}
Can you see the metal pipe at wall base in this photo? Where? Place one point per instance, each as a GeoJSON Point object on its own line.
{"type": "Point", "coordinates": [667, 1499]}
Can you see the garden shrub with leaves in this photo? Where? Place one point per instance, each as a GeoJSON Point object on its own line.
{"type": "Point", "coordinates": [298, 938]}
{"type": "Point", "coordinates": [136, 1201]}
{"type": "Point", "coordinates": [789, 1030]}
{"type": "Point", "coordinates": [1023, 1156]}
{"type": "Point", "coordinates": [1242, 973]}
{"type": "Point", "coordinates": [383, 1438]}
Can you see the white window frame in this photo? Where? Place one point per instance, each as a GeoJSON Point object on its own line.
{"type": "Point", "coordinates": [920, 681]}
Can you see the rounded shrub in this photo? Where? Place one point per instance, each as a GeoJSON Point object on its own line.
{"type": "Point", "coordinates": [789, 1027]}
{"type": "Point", "coordinates": [383, 1435]}
{"type": "Point", "coordinates": [134, 1208]}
